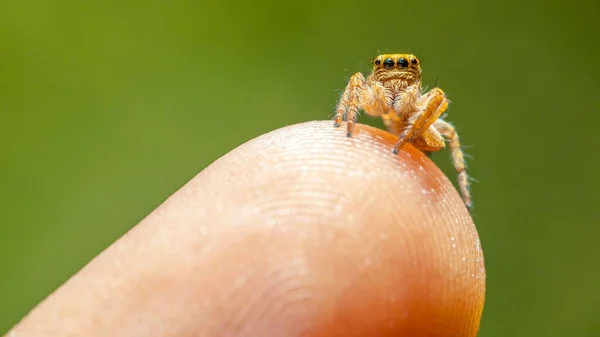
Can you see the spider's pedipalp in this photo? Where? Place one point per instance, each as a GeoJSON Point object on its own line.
{"type": "Point", "coordinates": [406, 101]}
{"type": "Point", "coordinates": [360, 94]}
{"type": "Point", "coordinates": [375, 99]}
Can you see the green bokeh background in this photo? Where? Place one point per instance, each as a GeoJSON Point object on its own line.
{"type": "Point", "coordinates": [107, 107]}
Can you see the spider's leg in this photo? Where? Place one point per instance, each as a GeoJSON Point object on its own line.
{"type": "Point", "coordinates": [429, 108]}
{"type": "Point", "coordinates": [458, 159]}
{"type": "Point", "coordinates": [359, 94]}
{"type": "Point", "coordinates": [348, 105]}
{"type": "Point", "coordinates": [429, 141]}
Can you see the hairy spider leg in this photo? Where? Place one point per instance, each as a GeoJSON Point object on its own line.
{"type": "Point", "coordinates": [458, 159]}
{"type": "Point", "coordinates": [432, 104]}
{"type": "Point", "coordinates": [360, 94]}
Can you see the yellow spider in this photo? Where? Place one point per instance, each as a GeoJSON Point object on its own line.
{"type": "Point", "coordinates": [393, 92]}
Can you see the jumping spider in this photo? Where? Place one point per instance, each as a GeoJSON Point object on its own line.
{"type": "Point", "coordinates": [393, 92]}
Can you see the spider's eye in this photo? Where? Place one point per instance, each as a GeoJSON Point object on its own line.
{"type": "Point", "coordinates": [388, 63]}
{"type": "Point", "coordinates": [402, 62]}
{"type": "Point", "coordinates": [414, 61]}
{"type": "Point", "coordinates": [377, 62]}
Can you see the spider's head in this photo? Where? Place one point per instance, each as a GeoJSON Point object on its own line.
{"type": "Point", "coordinates": [405, 67]}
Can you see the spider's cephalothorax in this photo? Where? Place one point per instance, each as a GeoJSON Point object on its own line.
{"type": "Point", "coordinates": [393, 92]}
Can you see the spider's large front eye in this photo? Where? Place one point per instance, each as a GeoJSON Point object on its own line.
{"type": "Point", "coordinates": [388, 63]}
{"type": "Point", "coordinates": [402, 62]}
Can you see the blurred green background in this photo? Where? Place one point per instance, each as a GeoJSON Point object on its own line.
{"type": "Point", "coordinates": [106, 108]}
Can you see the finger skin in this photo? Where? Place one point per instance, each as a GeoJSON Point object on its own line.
{"type": "Point", "coordinates": [299, 232]}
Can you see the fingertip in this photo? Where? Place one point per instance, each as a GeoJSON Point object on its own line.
{"type": "Point", "coordinates": [299, 232]}
{"type": "Point", "coordinates": [425, 273]}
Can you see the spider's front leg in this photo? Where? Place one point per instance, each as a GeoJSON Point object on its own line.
{"type": "Point", "coordinates": [427, 109]}
{"type": "Point", "coordinates": [360, 94]}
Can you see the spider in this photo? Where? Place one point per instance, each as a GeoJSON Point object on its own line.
{"type": "Point", "coordinates": [393, 92]}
